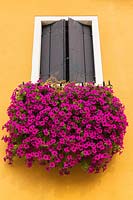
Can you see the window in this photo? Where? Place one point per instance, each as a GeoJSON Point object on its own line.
{"type": "Point", "coordinates": [67, 48]}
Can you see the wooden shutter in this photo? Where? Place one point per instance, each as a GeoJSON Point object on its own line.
{"type": "Point", "coordinates": [45, 53]}
{"type": "Point", "coordinates": [88, 51]}
{"type": "Point", "coordinates": [73, 41]}
{"type": "Point", "coordinates": [81, 61]}
{"type": "Point", "coordinates": [76, 52]}
{"type": "Point", "coordinates": [53, 51]}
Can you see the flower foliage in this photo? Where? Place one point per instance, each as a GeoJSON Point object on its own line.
{"type": "Point", "coordinates": [65, 126]}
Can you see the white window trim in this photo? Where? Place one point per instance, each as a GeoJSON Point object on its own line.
{"type": "Point", "coordinates": [44, 20]}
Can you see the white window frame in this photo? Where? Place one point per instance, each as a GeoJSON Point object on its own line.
{"type": "Point", "coordinates": [44, 20]}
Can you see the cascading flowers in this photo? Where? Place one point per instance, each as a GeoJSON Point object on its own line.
{"type": "Point", "coordinates": [65, 126]}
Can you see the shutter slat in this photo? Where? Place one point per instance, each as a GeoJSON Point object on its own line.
{"type": "Point", "coordinates": [88, 50]}
{"type": "Point", "coordinates": [45, 46]}
{"type": "Point", "coordinates": [76, 52]}
{"type": "Point", "coordinates": [57, 51]}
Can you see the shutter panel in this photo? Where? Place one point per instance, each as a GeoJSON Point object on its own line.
{"type": "Point", "coordinates": [81, 60]}
{"type": "Point", "coordinates": [88, 50]}
{"type": "Point", "coordinates": [53, 51]}
{"type": "Point", "coordinates": [45, 53]}
{"type": "Point", "coordinates": [76, 52]}
{"type": "Point", "coordinates": [57, 56]}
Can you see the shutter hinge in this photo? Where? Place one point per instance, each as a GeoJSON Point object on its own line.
{"type": "Point", "coordinates": [67, 58]}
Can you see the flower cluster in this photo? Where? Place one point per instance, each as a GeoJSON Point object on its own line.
{"type": "Point", "coordinates": [65, 126]}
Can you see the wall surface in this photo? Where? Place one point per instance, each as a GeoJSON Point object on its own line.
{"type": "Point", "coordinates": [16, 41]}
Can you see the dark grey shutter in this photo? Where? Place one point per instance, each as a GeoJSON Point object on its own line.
{"type": "Point", "coordinates": [67, 52]}
{"type": "Point", "coordinates": [81, 61]}
{"type": "Point", "coordinates": [88, 51]}
{"type": "Point", "coordinates": [45, 53]}
{"type": "Point", "coordinates": [76, 52]}
{"type": "Point", "coordinates": [53, 51]}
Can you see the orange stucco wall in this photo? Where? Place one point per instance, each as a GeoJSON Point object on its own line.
{"type": "Point", "coordinates": [16, 40]}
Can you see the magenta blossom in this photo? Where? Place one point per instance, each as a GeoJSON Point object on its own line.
{"type": "Point", "coordinates": [65, 126]}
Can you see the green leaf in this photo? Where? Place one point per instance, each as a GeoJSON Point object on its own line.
{"type": "Point", "coordinates": [65, 108]}
{"type": "Point", "coordinates": [84, 165]}
{"type": "Point", "coordinates": [37, 97]}
{"type": "Point", "coordinates": [82, 153]}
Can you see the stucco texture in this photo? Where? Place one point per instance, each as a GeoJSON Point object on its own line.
{"type": "Point", "coordinates": [16, 41]}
